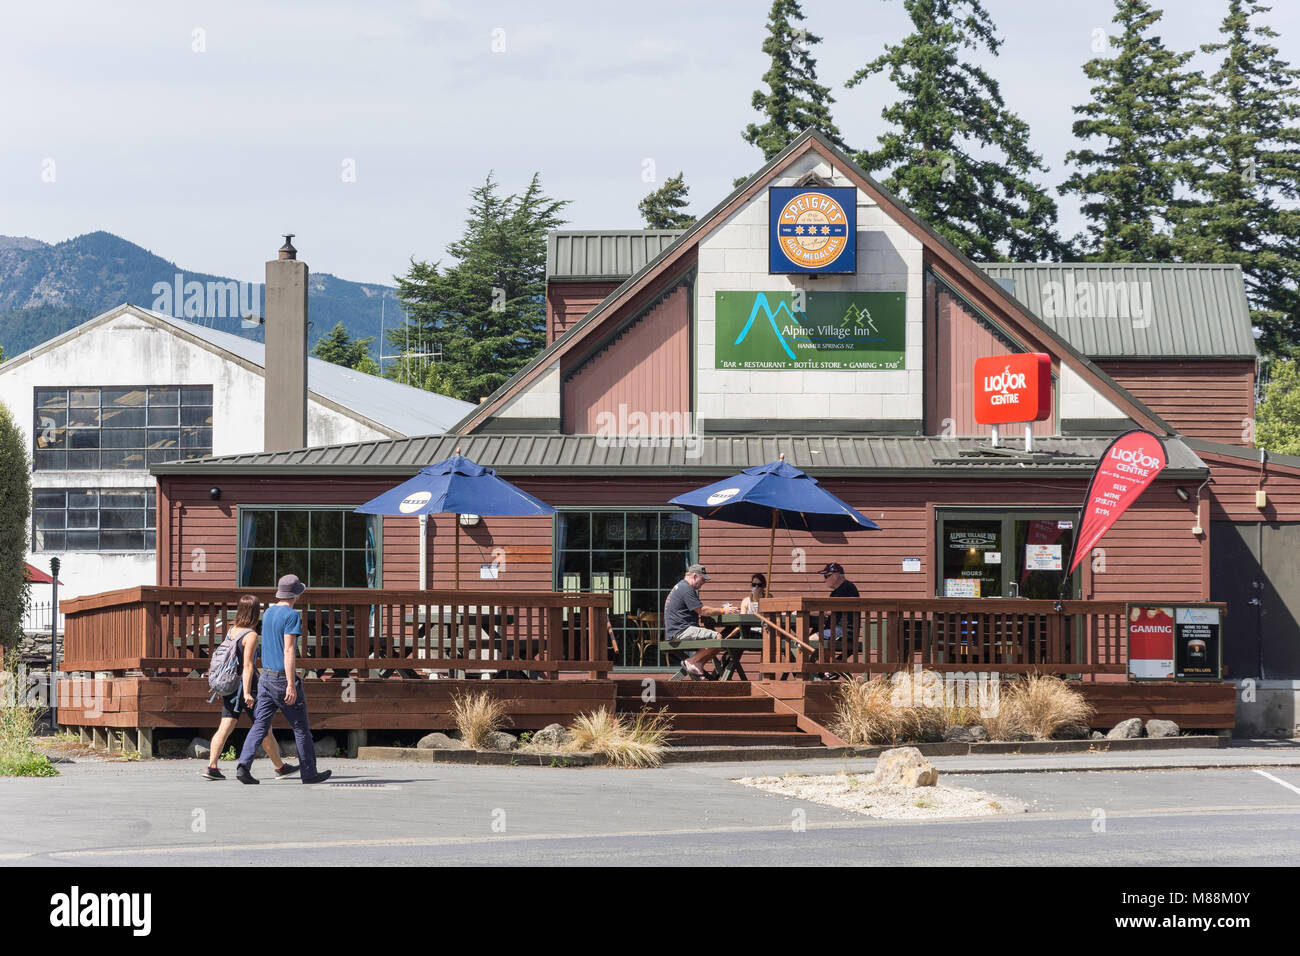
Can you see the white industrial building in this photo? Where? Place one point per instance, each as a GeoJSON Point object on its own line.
{"type": "Point", "coordinates": [132, 387]}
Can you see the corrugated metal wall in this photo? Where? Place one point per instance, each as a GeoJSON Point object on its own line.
{"type": "Point", "coordinates": [959, 339]}
{"type": "Point", "coordinates": [648, 372]}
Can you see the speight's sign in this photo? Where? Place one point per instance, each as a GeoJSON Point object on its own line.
{"type": "Point", "coordinates": [812, 229]}
{"type": "Point", "coordinates": [1013, 388]}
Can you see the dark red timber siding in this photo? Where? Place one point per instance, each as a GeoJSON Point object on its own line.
{"type": "Point", "coordinates": [1150, 553]}
{"type": "Point", "coordinates": [1214, 400]}
{"type": "Point", "coordinates": [1232, 496]}
{"type": "Point", "coordinates": [567, 302]}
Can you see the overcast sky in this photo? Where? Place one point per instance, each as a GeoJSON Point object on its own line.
{"type": "Point", "coordinates": [205, 157]}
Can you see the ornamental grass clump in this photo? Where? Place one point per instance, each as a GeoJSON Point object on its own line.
{"type": "Point", "coordinates": [477, 717]}
{"type": "Point", "coordinates": [906, 707]}
{"type": "Point", "coordinates": [1042, 705]}
{"type": "Point", "coordinates": [640, 742]}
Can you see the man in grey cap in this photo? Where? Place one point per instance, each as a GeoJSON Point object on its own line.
{"type": "Point", "coordinates": [279, 687]}
{"type": "Point", "coordinates": [682, 612]}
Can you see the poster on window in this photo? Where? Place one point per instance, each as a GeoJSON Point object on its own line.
{"type": "Point", "coordinates": [1042, 557]}
{"type": "Point", "coordinates": [961, 587]}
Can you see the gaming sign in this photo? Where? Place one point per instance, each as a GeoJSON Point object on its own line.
{"type": "Point", "coordinates": [812, 229]}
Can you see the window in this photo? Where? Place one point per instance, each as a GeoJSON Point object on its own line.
{"type": "Point", "coordinates": [1004, 553]}
{"type": "Point", "coordinates": [325, 547]}
{"type": "Point", "coordinates": [637, 556]}
{"type": "Point", "coordinates": [131, 428]}
{"type": "Point", "coordinates": [93, 519]}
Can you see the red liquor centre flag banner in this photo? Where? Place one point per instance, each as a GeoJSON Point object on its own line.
{"type": "Point", "coordinates": [1126, 468]}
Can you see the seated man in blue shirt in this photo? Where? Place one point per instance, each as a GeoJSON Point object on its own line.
{"type": "Point", "coordinates": [682, 611]}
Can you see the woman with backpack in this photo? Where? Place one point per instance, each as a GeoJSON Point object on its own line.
{"type": "Point", "coordinates": [236, 659]}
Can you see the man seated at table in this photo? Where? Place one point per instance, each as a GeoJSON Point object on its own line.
{"type": "Point", "coordinates": [841, 623]}
{"type": "Point", "coordinates": [682, 612]}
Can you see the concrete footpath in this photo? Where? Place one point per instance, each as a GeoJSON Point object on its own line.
{"type": "Point", "coordinates": [119, 813]}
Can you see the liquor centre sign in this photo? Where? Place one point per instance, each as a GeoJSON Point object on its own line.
{"type": "Point", "coordinates": [809, 330]}
{"type": "Point", "coordinates": [1013, 388]}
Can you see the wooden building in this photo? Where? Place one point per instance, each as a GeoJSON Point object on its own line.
{"type": "Point", "coordinates": [653, 383]}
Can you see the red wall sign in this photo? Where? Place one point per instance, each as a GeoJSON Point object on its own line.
{"type": "Point", "coordinates": [1127, 468]}
{"type": "Point", "coordinates": [1013, 388]}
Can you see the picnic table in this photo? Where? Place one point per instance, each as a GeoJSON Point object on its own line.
{"type": "Point", "coordinates": [730, 647]}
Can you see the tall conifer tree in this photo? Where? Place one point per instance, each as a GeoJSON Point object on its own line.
{"type": "Point", "coordinates": [665, 208]}
{"type": "Point", "coordinates": [1140, 117]}
{"type": "Point", "coordinates": [956, 154]}
{"type": "Point", "coordinates": [487, 312]}
{"type": "Point", "coordinates": [794, 99]}
{"type": "Point", "coordinates": [1245, 166]}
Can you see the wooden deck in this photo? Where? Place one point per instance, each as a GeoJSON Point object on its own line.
{"type": "Point", "coordinates": [149, 648]}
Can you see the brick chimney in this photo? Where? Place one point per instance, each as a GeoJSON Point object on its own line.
{"type": "Point", "coordinates": [285, 411]}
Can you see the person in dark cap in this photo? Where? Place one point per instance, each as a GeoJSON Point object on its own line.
{"type": "Point", "coordinates": [841, 628]}
{"type": "Point", "coordinates": [279, 687]}
{"type": "Point", "coordinates": [682, 611]}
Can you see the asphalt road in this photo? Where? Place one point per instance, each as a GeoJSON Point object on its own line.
{"type": "Point", "coordinates": [1084, 810]}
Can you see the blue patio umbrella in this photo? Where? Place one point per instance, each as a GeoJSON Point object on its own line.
{"type": "Point", "coordinates": [772, 494]}
{"type": "Point", "coordinates": [457, 486]}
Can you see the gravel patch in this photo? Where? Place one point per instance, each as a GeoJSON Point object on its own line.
{"type": "Point", "coordinates": [857, 793]}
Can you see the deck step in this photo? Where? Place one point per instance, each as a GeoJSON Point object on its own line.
{"type": "Point", "coordinates": [757, 723]}
{"type": "Point", "coordinates": [743, 738]}
{"type": "Point", "coordinates": [696, 705]}
{"type": "Point", "coordinates": [686, 688]}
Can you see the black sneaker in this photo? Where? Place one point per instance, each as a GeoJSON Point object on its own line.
{"type": "Point", "coordinates": [243, 775]}
{"type": "Point", "coordinates": [319, 778]}
{"type": "Point", "coordinates": [288, 770]}
{"type": "Point", "coordinates": [212, 773]}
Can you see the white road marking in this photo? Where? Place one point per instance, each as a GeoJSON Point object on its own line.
{"type": "Point", "coordinates": [1292, 787]}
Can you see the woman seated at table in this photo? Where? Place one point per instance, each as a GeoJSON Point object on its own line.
{"type": "Point", "coordinates": [757, 590]}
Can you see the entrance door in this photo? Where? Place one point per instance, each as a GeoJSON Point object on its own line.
{"type": "Point", "coordinates": [1004, 554]}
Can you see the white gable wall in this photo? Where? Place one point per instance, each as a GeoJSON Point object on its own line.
{"type": "Point", "coordinates": [130, 350]}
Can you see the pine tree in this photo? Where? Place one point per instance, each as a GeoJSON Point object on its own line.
{"type": "Point", "coordinates": [15, 510]}
{"type": "Point", "coordinates": [663, 208]}
{"type": "Point", "coordinates": [1140, 112]}
{"type": "Point", "coordinates": [339, 348]}
{"type": "Point", "coordinates": [1277, 417]}
{"type": "Point", "coordinates": [486, 313]}
{"type": "Point", "coordinates": [1246, 162]}
{"type": "Point", "coordinates": [795, 100]}
{"type": "Point", "coordinates": [956, 154]}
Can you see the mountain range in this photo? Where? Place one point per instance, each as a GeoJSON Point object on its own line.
{"type": "Point", "coordinates": [46, 289]}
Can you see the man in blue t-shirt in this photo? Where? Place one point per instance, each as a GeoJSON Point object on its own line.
{"type": "Point", "coordinates": [279, 686]}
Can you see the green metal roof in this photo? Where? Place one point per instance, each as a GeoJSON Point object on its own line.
{"type": "Point", "coordinates": [1126, 310]}
{"type": "Point", "coordinates": [595, 456]}
{"type": "Point", "coordinates": [609, 256]}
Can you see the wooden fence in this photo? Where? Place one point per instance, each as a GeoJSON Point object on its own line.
{"type": "Point", "coordinates": [166, 631]}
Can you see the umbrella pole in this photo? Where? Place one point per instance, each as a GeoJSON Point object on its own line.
{"type": "Point", "coordinates": [771, 551]}
{"type": "Point", "coordinates": [457, 552]}
{"type": "Point", "coordinates": [424, 552]}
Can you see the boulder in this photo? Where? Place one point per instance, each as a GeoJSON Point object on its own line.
{"type": "Point", "coordinates": [1098, 735]}
{"type": "Point", "coordinates": [438, 741]}
{"type": "Point", "coordinates": [326, 747]}
{"type": "Point", "coordinates": [198, 747]}
{"type": "Point", "coordinates": [499, 740]}
{"type": "Point", "coordinates": [959, 735]}
{"type": "Point", "coordinates": [1020, 736]}
{"type": "Point", "coordinates": [978, 732]}
{"type": "Point", "coordinates": [1126, 729]}
{"type": "Point", "coordinates": [1071, 732]}
{"type": "Point", "coordinates": [172, 747]}
{"type": "Point", "coordinates": [288, 748]}
{"type": "Point", "coordinates": [552, 737]}
{"type": "Point", "coordinates": [1162, 728]}
{"type": "Point", "coordinates": [904, 766]}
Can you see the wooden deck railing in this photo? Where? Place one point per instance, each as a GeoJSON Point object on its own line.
{"type": "Point", "coordinates": [866, 636]}
{"type": "Point", "coordinates": [166, 630]}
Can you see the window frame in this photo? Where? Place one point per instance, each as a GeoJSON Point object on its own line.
{"type": "Point", "coordinates": [151, 498]}
{"type": "Point", "coordinates": [241, 552]}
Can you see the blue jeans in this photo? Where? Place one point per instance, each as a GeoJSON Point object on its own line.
{"type": "Point", "coordinates": [271, 689]}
